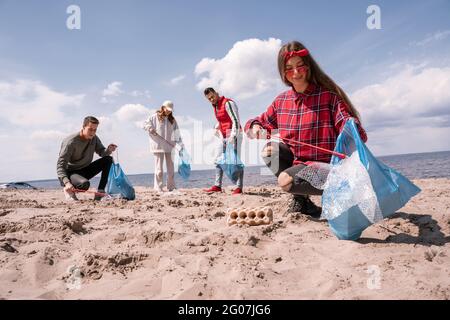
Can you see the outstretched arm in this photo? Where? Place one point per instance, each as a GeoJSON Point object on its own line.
{"type": "Point", "coordinates": [267, 120]}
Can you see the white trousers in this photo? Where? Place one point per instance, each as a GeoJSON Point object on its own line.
{"type": "Point", "coordinates": [159, 162]}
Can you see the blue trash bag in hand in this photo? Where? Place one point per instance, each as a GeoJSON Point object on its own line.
{"type": "Point", "coordinates": [184, 165]}
{"type": "Point", "coordinates": [361, 190]}
{"type": "Point", "coordinates": [230, 162]}
{"type": "Point", "coordinates": [118, 183]}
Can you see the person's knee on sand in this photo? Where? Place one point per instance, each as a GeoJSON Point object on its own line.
{"type": "Point", "coordinates": [84, 185]}
{"type": "Point", "coordinates": [285, 181]}
{"type": "Point", "coordinates": [80, 182]}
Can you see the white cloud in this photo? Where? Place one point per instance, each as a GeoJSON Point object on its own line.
{"type": "Point", "coordinates": [104, 100]}
{"type": "Point", "coordinates": [35, 119]}
{"type": "Point", "coordinates": [409, 139]}
{"type": "Point", "coordinates": [247, 70]}
{"type": "Point", "coordinates": [113, 89]}
{"type": "Point", "coordinates": [45, 135]}
{"type": "Point", "coordinates": [413, 93]}
{"type": "Point", "coordinates": [31, 103]}
{"type": "Point", "coordinates": [137, 93]}
{"type": "Point", "coordinates": [438, 36]}
{"type": "Point", "coordinates": [43, 145]}
{"type": "Point", "coordinates": [408, 112]}
{"type": "Point", "coordinates": [177, 80]}
{"type": "Point", "coordinates": [106, 124]}
{"type": "Point", "coordinates": [133, 113]}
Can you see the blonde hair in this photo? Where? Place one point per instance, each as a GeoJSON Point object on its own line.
{"type": "Point", "coordinates": [315, 74]}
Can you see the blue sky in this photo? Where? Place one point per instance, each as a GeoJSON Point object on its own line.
{"type": "Point", "coordinates": [149, 51]}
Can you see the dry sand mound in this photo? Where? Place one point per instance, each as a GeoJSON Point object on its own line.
{"type": "Point", "coordinates": [179, 247]}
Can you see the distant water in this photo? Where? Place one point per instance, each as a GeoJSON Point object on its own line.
{"type": "Point", "coordinates": [413, 166]}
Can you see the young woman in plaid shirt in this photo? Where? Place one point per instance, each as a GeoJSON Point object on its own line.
{"type": "Point", "coordinates": [314, 111]}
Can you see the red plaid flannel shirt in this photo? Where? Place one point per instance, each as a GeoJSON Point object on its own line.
{"type": "Point", "coordinates": [315, 116]}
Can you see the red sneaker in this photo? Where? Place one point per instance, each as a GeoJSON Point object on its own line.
{"type": "Point", "coordinates": [237, 191]}
{"type": "Point", "coordinates": [213, 189]}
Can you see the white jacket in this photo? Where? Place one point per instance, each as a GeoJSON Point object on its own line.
{"type": "Point", "coordinates": [164, 131]}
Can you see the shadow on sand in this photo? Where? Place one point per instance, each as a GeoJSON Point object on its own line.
{"type": "Point", "coordinates": [430, 233]}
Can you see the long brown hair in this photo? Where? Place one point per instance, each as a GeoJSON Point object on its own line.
{"type": "Point", "coordinates": [315, 74]}
{"type": "Point", "coordinates": [160, 114]}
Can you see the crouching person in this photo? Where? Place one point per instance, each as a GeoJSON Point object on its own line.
{"type": "Point", "coordinates": [314, 110]}
{"type": "Point", "coordinates": [75, 167]}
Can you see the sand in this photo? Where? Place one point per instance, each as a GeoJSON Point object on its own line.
{"type": "Point", "coordinates": [179, 246]}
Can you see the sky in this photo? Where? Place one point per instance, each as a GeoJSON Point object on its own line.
{"type": "Point", "coordinates": [127, 57]}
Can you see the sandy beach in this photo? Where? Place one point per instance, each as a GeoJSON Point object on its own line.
{"type": "Point", "coordinates": [178, 246]}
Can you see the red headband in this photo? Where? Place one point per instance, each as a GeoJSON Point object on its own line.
{"type": "Point", "coordinates": [290, 54]}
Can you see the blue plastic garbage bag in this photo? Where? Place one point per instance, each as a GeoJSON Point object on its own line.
{"type": "Point", "coordinates": [184, 165]}
{"type": "Point", "coordinates": [360, 190]}
{"type": "Point", "coordinates": [230, 162]}
{"type": "Point", "coordinates": [118, 183]}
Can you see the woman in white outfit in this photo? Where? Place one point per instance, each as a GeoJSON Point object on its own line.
{"type": "Point", "coordinates": [164, 136]}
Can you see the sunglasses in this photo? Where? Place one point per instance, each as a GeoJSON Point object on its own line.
{"type": "Point", "coordinates": [300, 69]}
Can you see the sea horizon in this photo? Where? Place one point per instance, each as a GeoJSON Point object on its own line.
{"type": "Point", "coordinates": [412, 165]}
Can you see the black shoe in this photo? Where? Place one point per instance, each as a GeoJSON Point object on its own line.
{"type": "Point", "coordinates": [304, 205]}
{"type": "Point", "coordinates": [310, 208]}
{"type": "Point", "coordinates": [296, 204]}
